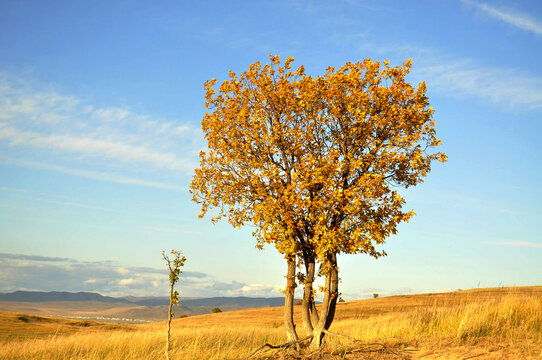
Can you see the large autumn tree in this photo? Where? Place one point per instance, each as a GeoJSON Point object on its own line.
{"type": "Point", "coordinates": [314, 164]}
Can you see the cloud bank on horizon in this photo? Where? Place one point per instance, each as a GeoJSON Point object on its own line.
{"type": "Point", "coordinates": [31, 272]}
{"type": "Point", "coordinates": [42, 273]}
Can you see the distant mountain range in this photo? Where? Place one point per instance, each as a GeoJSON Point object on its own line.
{"type": "Point", "coordinates": [42, 296]}
{"type": "Point", "coordinates": [130, 308]}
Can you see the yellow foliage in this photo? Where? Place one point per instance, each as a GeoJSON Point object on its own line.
{"type": "Point", "coordinates": [312, 162]}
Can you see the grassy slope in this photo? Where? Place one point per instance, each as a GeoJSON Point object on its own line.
{"type": "Point", "coordinates": [15, 327]}
{"type": "Point", "coordinates": [132, 313]}
{"type": "Point", "coordinates": [486, 323]}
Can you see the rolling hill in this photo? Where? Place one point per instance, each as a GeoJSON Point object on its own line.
{"type": "Point", "coordinates": [88, 305]}
{"type": "Point", "coordinates": [498, 323]}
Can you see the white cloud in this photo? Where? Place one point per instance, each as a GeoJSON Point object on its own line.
{"type": "Point", "coordinates": [90, 281]}
{"type": "Point", "coordinates": [209, 287]}
{"type": "Point", "coordinates": [122, 271]}
{"type": "Point", "coordinates": [260, 290]}
{"type": "Point", "coordinates": [129, 281]}
{"type": "Point", "coordinates": [512, 17]}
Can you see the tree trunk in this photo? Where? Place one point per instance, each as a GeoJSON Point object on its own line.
{"type": "Point", "coordinates": [169, 321]}
{"type": "Point", "coordinates": [309, 310]}
{"type": "Point", "coordinates": [289, 300]}
{"type": "Point", "coordinates": [314, 313]}
{"type": "Point", "coordinates": [331, 292]}
{"type": "Point", "coordinates": [334, 292]}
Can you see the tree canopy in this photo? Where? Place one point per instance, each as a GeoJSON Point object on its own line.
{"type": "Point", "coordinates": [315, 163]}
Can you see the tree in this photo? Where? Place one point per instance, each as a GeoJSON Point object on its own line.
{"type": "Point", "coordinates": [174, 267]}
{"type": "Point", "coordinates": [216, 310]}
{"type": "Point", "coordinates": [313, 163]}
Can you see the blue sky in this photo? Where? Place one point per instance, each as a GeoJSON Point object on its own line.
{"type": "Point", "coordinates": [100, 109]}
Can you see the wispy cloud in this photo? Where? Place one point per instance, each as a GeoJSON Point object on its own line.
{"type": "Point", "coordinates": [504, 86]}
{"type": "Point", "coordinates": [35, 118]}
{"type": "Point", "coordinates": [510, 16]}
{"type": "Point", "coordinates": [460, 77]}
{"type": "Point", "coordinates": [501, 86]}
{"type": "Point", "coordinates": [18, 101]}
{"type": "Point", "coordinates": [94, 175]}
{"type": "Point", "coordinates": [93, 147]}
{"type": "Point", "coordinates": [32, 257]}
{"type": "Point", "coordinates": [517, 244]}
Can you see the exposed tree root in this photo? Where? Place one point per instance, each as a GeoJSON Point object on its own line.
{"type": "Point", "coordinates": [285, 346]}
{"type": "Point", "coordinates": [360, 351]}
{"type": "Point", "coordinates": [367, 348]}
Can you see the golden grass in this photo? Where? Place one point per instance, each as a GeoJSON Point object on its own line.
{"type": "Point", "coordinates": [514, 317]}
{"type": "Point", "coordinates": [432, 323]}
{"type": "Point", "coordinates": [215, 342]}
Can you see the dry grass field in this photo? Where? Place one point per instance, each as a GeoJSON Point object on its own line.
{"type": "Point", "coordinates": [500, 323]}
